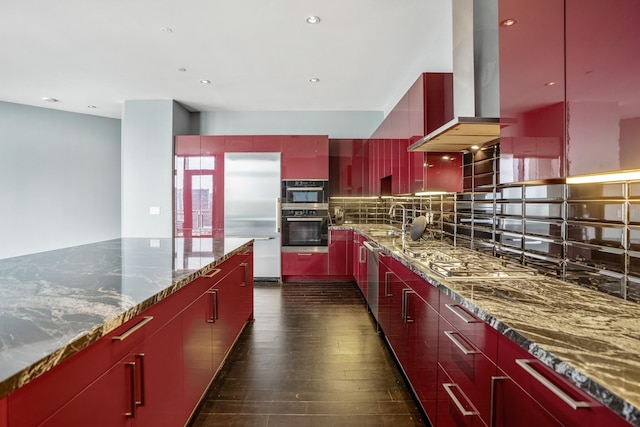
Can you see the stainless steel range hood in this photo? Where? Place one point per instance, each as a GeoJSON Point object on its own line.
{"type": "Point", "coordinates": [459, 134]}
{"type": "Point", "coordinates": [476, 81]}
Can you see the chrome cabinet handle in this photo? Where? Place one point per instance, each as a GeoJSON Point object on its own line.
{"type": "Point", "coordinates": [405, 305]}
{"type": "Point", "coordinates": [246, 273]}
{"type": "Point", "coordinates": [278, 215]}
{"type": "Point", "coordinates": [461, 314]}
{"type": "Point", "coordinates": [140, 359]}
{"type": "Point", "coordinates": [213, 312]}
{"type": "Point", "coordinates": [492, 413]}
{"type": "Point", "coordinates": [387, 288]}
{"type": "Point", "coordinates": [574, 404]}
{"type": "Point", "coordinates": [456, 401]}
{"type": "Point", "coordinates": [361, 259]}
{"type": "Point", "coordinates": [450, 335]}
{"type": "Point", "coordinates": [144, 321]}
{"type": "Point", "coordinates": [132, 389]}
{"type": "Point", "coordinates": [212, 273]}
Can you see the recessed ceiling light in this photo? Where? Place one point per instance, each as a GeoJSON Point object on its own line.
{"type": "Point", "coordinates": [166, 30]}
{"type": "Point", "coordinates": [182, 69]}
{"type": "Point", "coordinates": [314, 80]}
{"type": "Point", "coordinates": [91, 106]}
{"type": "Point", "coordinates": [48, 99]}
{"type": "Point", "coordinates": [313, 19]}
{"type": "Point", "coordinates": [474, 147]}
{"type": "Point", "coordinates": [550, 84]}
{"type": "Point", "coordinates": [508, 22]}
{"type": "Point", "coordinates": [205, 82]}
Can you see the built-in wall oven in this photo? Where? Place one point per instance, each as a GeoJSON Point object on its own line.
{"type": "Point", "coordinates": [305, 229]}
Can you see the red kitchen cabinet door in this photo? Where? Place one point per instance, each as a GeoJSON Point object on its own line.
{"type": "Point", "coordinates": [417, 161]}
{"type": "Point", "coordinates": [305, 264]}
{"type": "Point", "coordinates": [455, 409]}
{"type": "Point", "coordinates": [400, 167]}
{"type": "Point", "coordinates": [469, 370]}
{"type": "Point", "coordinates": [341, 161]}
{"type": "Point", "coordinates": [553, 391]}
{"type": "Point", "coordinates": [160, 379]}
{"type": "Point", "coordinates": [480, 335]}
{"type": "Point", "coordinates": [395, 319]}
{"type": "Point", "coordinates": [338, 256]}
{"type": "Point", "coordinates": [3, 412]}
{"type": "Point", "coordinates": [305, 157]}
{"type": "Point", "coordinates": [532, 86]}
{"type": "Point", "coordinates": [514, 407]}
{"type": "Point", "coordinates": [360, 263]}
{"type": "Point", "coordinates": [357, 170]}
{"type": "Point", "coordinates": [267, 143]}
{"type": "Point", "coordinates": [602, 85]}
{"type": "Point", "coordinates": [107, 402]}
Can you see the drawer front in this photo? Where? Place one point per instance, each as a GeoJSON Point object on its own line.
{"type": "Point", "coordinates": [566, 402]}
{"type": "Point", "coordinates": [454, 408]}
{"type": "Point", "coordinates": [467, 367]}
{"type": "Point", "coordinates": [481, 335]}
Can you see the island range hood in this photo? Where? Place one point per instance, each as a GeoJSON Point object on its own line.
{"type": "Point", "coordinates": [476, 94]}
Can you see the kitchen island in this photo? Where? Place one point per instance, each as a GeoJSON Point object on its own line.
{"type": "Point", "coordinates": [588, 338]}
{"type": "Point", "coordinates": [58, 305]}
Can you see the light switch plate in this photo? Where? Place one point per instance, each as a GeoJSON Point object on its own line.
{"type": "Point", "coordinates": [154, 210]}
{"type": "Point", "coordinates": [154, 243]}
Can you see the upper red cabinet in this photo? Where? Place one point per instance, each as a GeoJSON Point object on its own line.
{"type": "Point", "coordinates": [305, 157]}
{"type": "Point", "coordinates": [603, 85]}
{"type": "Point", "coordinates": [532, 144]}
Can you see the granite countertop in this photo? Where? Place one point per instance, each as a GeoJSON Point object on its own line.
{"type": "Point", "coordinates": [590, 338]}
{"type": "Point", "coordinates": [54, 303]}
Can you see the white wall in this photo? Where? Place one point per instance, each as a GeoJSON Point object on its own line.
{"type": "Point", "coordinates": [148, 128]}
{"type": "Point", "coordinates": [336, 124]}
{"type": "Point", "coordinates": [59, 179]}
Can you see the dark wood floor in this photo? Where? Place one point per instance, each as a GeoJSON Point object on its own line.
{"type": "Point", "coordinates": [311, 358]}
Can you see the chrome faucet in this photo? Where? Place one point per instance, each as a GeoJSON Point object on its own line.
{"type": "Point", "coordinates": [392, 211]}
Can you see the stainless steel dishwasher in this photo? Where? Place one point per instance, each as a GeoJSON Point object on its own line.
{"type": "Point", "coordinates": [372, 276]}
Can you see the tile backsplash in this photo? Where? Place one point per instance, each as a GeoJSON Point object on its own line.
{"type": "Point", "coordinates": [587, 234]}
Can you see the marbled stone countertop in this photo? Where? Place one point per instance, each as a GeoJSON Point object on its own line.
{"type": "Point", "coordinates": [55, 303]}
{"type": "Point", "coordinates": [591, 338]}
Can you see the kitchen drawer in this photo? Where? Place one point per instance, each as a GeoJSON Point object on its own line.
{"type": "Point", "coordinates": [566, 402]}
{"type": "Point", "coordinates": [305, 264]}
{"type": "Point", "coordinates": [454, 407]}
{"type": "Point", "coordinates": [420, 286]}
{"type": "Point", "coordinates": [468, 369]}
{"type": "Point", "coordinates": [476, 331]}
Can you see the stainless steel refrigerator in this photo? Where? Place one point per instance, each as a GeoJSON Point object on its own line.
{"type": "Point", "coordinates": [252, 207]}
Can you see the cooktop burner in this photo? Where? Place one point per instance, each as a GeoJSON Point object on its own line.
{"type": "Point", "coordinates": [460, 263]}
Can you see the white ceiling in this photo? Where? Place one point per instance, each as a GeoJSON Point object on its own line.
{"type": "Point", "coordinates": [258, 54]}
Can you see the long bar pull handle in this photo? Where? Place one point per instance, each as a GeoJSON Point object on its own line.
{"type": "Point", "coordinates": [132, 389]}
{"type": "Point", "coordinates": [387, 288]}
{"type": "Point", "coordinates": [246, 273]}
{"type": "Point", "coordinates": [450, 335]}
{"type": "Point", "coordinates": [461, 314]}
{"type": "Point", "coordinates": [144, 321]}
{"type": "Point", "coordinates": [215, 305]}
{"type": "Point", "coordinates": [456, 401]}
{"type": "Point", "coordinates": [361, 258]}
{"type": "Point", "coordinates": [278, 215]}
{"type": "Point", "coordinates": [405, 305]}
{"type": "Point", "coordinates": [574, 404]}
{"type": "Point", "coordinates": [212, 273]}
{"type": "Point", "coordinates": [492, 414]}
{"type": "Point", "coordinates": [140, 360]}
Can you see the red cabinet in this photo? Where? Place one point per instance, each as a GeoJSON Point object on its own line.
{"type": "Point", "coordinates": [3, 412]}
{"type": "Point", "coordinates": [359, 253]}
{"type": "Point", "coordinates": [340, 253]}
{"type": "Point", "coordinates": [304, 264]}
{"type": "Point", "coordinates": [532, 138]}
{"type": "Point", "coordinates": [602, 85]}
{"type": "Point", "coordinates": [305, 157]}
{"type": "Point", "coordinates": [568, 404]}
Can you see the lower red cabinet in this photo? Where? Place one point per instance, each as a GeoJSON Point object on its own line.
{"type": "Point", "coordinates": [568, 404]}
{"type": "Point", "coordinates": [512, 406]}
{"type": "Point", "coordinates": [340, 253]}
{"type": "Point", "coordinates": [359, 253]}
{"type": "Point", "coordinates": [455, 408]}
{"type": "Point", "coordinates": [305, 264]}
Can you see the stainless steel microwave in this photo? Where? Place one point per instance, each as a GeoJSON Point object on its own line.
{"type": "Point", "coordinates": [308, 193]}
